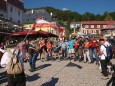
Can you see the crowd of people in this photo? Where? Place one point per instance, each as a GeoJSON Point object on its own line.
{"type": "Point", "coordinates": [87, 50]}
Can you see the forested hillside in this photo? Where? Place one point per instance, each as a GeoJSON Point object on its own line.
{"type": "Point", "coordinates": [71, 16]}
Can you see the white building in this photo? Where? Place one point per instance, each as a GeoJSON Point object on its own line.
{"type": "Point", "coordinates": [15, 9]}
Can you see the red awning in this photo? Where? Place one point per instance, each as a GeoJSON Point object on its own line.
{"type": "Point", "coordinates": [34, 33]}
{"type": "Point", "coordinates": [4, 33]}
{"type": "Point", "coordinates": [24, 33]}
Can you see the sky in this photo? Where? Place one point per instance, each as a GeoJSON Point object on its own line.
{"type": "Point", "coordinates": [80, 6]}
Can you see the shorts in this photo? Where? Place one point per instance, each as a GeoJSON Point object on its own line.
{"type": "Point", "coordinates": [71, 50]}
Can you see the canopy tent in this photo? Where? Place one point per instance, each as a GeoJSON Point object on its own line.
{"type": "Point", "coordinates": [23, 33]}
{"type": "Point", "coordinates": [42, 22]}
{"type": "Point", "coordinates": [5, 33]}
{"type": "Point", "coordinates": [47, 25]}
{"type": "Point", "coordinates": [34, 33]}
{"type": "Point", "coordinates": [39, 21]}
{"type": "Point", "coordinates": [47, 33]}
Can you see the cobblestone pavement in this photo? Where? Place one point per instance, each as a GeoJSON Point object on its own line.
{"type": "Point", "coordinates": [57, 73]}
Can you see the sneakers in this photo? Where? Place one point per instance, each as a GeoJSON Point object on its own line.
{"type": "Point", "coordinates": [105, 77]}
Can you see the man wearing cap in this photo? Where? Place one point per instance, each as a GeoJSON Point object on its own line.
{"type": "Point", "coordinates": [103, 56]}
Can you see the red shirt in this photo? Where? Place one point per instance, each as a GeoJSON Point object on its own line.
{"type": "Point", "coordinates": [49, 46]}
{"type": "Point", "coordinates": [93, 44]}
{"type": "Point", "coordinates": [76, 45]}
{"type": "Point", "coordinates": [42, 43]}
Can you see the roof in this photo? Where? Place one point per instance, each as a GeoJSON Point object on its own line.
{"type": "Point", "coordinates": [108, 29]}
{"type": "Point", "coordinates": [31, 18]}
{"type": "Point", "coordinates": [97, 22]}
{"type": "Point", "coordinates": [16, 3]}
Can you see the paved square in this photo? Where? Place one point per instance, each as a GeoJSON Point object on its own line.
{"type": "Point", "coordinates": [62, 73]}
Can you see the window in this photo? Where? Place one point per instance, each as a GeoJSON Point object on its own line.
{"type": "Point", "coordinates": [94, 31]}
{"type": "Point", "coordinates": [19, 13]}
{"type": "Point", "coordinates": [98, 26]}
{"type": "Point", "coordinates": [91, 31]}
{"type": "Point", "coordinates": [1, 15]}
{"type": "Point", "coordinates": [19, 21]}
{"type": "Point", "coordinates": [104, 26]}
{"type": "Point", "coordinates": [10, 9]}
{"type": "Point", "coordinates": [33, 20]}
{"type": "Point", "coordinates": [92, 26]}
{"type": "Point", "coordinates": [27, 19]}
{"type": "Point", "coordinates": [86, 26]}
{"type": "Point", "coordinates": [10, 19]}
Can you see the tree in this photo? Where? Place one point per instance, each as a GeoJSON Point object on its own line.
{"type": "Point", "coordinates": [108, 17]}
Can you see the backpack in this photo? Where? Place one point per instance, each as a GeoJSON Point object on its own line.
{"type": "Point", "coordinates": [108, 51]}
{"type": "Point", "coordinates": [14, 66]}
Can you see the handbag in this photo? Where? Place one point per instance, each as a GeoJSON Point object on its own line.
{"type": "Point", "coordinates": [14, 66]}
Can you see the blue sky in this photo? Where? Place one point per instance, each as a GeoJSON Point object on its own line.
{"type": "Point", "coordinates": [80, 6]}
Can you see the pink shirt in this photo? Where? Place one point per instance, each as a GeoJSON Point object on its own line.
{"type": "Point", "coordinates": [21, 46]}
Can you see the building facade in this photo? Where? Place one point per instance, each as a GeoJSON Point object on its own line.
{"type": "Point", "coordinates": [3, 9]}
{"type": "Point", "coordinates": [12, 10]}
{"type": "Point", "coordinates": [30, 16]}
{"type": "Point", "coordinates": [15, 9]}
{"type": "Point", "coordinates": [94, 27]}
{"type": "Point", "coordinates": [108, 32]}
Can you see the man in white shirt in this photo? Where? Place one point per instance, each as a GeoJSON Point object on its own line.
{"type": "Point", "coordinates": [103, 56]}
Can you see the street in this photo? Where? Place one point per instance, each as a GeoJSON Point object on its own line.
{"type": "Point", "coordinates": [61, 73]}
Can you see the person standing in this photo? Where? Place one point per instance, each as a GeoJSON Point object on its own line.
{"type": "Point", "coordinates": [63, 49]}
{"type": "Point", "coordinates": [71, 49]}
{"type": "Point", "coordinates": [22, 52]}
{"type": "Point", "coordinates": [80, 49]}
{"type": "Point", "coordinates": [103, 56]}
{"type": "Point", "coordinates": [93, 47]}
{"type": "Point", "coordinates": [49, 49]}
{"type": "Point", "coordinates": [67, 47]}
{"type": "Point", "coordinates": [32, 56]}
{"type": "Point", "coordinates": [19, 79]}
{"type": "Point", "coordinates": [76, 46]}
{"type": "Point", "coordinates": [55, 50]}
{"type": "Point", "coordinates": [86, 50]}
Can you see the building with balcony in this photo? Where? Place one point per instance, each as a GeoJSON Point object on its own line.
{"type": "Point", "coordinates": [94, 27]}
